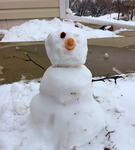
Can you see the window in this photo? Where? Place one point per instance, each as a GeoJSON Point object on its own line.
{"type": "Point", "coordinates": [64, 4]}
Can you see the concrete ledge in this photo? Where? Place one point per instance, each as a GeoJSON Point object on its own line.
{"type": "Point", "coordinates": [12, 44]}
{"type": "Point", "coordinates": [1, 36]}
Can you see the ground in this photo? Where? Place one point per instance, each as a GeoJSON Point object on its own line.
{"type": "Point", "coordinates": [121, 52]}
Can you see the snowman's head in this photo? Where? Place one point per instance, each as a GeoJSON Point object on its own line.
{"type": "Point", "coordinates": [66, 48]}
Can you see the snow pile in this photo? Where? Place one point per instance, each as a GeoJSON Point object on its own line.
{"type": "Point", "coordinates": [3, 31]}
{"type": "Point", "coordinates": [38, 30]}
{"type": "Point", "coordinates": [117, 102]}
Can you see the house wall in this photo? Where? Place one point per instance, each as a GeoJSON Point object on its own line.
{"type": "Point", "coordinates": [20, 9]}
{"type": "Point", "coordinates": [16, 12]}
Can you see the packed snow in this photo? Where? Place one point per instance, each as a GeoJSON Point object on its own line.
{"type": "Point", "coordinates": [38, 30]}
{"type": "Point", "coordinates": [117, 102]}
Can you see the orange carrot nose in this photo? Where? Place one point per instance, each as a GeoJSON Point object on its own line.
{"type": "Point", "coordinates": [70, 43]}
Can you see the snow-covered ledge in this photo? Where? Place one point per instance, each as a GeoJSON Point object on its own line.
{"type": "Point", "coordinates": [64, 5]}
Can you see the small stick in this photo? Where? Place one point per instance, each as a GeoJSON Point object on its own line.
{"type": "Point", "coordinates": [109, 133]}
{"type": "Point", "coordinates": [19, 58]}
{"type": "Point", "coordinates": [74, 148]}
{"type": "Point", "coordinates": [107, 148]}
{"type": "Point", "coordinates": [29, 60]}
{"type": "Point", "coordinates": [107, 77]}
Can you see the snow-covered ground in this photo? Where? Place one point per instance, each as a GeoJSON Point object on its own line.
{"type": "Point", "coordinates": [38, 30]}
{"type": "Point", "coordinates": [117, 102]}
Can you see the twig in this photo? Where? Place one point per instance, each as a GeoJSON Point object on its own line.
{"type": "Point", "coordinates": [105, 148]}
{"type": "Point", "coordinates": [108, 77]}
{"type": "Point", "coordinates": [29, 60]}
{"type": "Point", "coordinates": [114, 146]}
{"type": "Point", "coordinates": [109, 133]}
{"type": "Point", "coordinates": [74, 148]}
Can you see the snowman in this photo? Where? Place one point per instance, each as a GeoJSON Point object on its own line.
{"type": "Point", "coordinates": [64, 110]}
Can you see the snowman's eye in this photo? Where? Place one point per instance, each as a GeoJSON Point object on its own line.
{"type": "Point", "coordinates": [63, 34]}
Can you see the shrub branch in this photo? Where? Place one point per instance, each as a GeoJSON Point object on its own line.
{"type": "Point", "coordinates": [30, 60]}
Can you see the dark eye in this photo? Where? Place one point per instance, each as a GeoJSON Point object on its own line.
{"type": "Point", "coordinates": [63, 34]}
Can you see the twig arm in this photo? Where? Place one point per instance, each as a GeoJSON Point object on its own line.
{"type": "Point", "coordinates": [107, 77]}
{"type": "Point", "coordinates": [29, 60]}
{"type": "Point", "coordinates": [34, 61]}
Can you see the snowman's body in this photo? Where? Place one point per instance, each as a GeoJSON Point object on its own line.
{"type": "Point", "coordinates": [65, 107]}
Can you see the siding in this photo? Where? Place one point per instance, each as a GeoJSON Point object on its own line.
{"type": "Point", "coordinates": [21, 9]}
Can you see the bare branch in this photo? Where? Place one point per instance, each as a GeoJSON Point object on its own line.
{"type": "Point", "coordinates": [108, 77]}
{"type": "Point", "coordinates": [109, 133]}
{"type": "Point", "coordinates": [29, 60]}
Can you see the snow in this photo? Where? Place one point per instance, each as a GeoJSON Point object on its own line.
{"type": "Point", "coordinates": [117, 102]}
{"type": "Point", "coordinates": [58, 53]}
{"type": "Point", "coordinates": [17, 130]}
{"type": "Point", "coordinates": [113, 18]}
{"type": "Point", "coordinates": [66, 113]}
{"type": "Point", "coordinates": [38, 30]}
